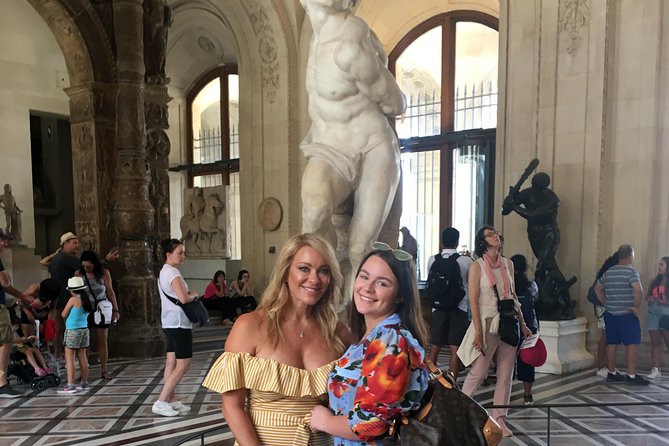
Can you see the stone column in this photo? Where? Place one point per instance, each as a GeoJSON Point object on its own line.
{"type": "Point", "coordinates": [92, 115]}
{"type": "Point", "coordinates": [157, 20]}
{"type": "Point", "coordinates": [139, 332]}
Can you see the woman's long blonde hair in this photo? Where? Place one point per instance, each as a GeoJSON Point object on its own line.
{"type": "Point", "coordinates": [276, 298]}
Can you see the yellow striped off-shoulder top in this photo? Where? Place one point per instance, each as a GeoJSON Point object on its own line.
{"type": "Point", "coordinates": [280, 396]}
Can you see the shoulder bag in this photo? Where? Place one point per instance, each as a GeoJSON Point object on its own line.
{"type": "Point", "coordinates": [103, 310]}
{"type": "Point", "coordinates": [509, 328]}
{"type": "Point", "coordinates": [447, 417]}
{"type": "Point", "coordinates": [195, 309]}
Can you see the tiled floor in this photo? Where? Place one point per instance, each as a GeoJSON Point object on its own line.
{"type": "Point", "coordinates": [118, 412]}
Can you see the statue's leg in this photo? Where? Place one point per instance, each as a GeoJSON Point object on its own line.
{"type": "Point", "coordinates": [323, 191]}
{"type": "Point", "coordinates": [374, 195]}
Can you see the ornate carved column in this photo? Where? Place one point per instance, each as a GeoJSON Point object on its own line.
{"type": "Point", "coordinates": [134, 215]}
{"type": "Point", "coordinates": [92, 115]}
{"type": "Point", "coordinates": [157, 20]}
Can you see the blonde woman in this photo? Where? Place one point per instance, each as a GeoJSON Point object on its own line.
{"type": "Point", "coordinates": [280, 355]}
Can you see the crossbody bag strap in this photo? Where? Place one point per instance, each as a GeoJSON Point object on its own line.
{"type": "Point", "coordinates": [95, 298]}
{"type": "Point", "coordinates": [174, 300]}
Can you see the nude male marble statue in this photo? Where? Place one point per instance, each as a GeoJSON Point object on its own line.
{"type": "Point", "coordinates": [352, 150]}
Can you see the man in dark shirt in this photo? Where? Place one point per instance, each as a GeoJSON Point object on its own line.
{"type": "Point", "coordinates": [62, 265]}
{"type": "Point", "coordinates": [6, 332]}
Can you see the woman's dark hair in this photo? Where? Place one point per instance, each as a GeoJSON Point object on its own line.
{"type": "Point", "coordinates": [216, 275]}
{"type": "Point", "coordinates": [409, 307]}
{"type": "Point", "coordinates": [48, 290]}
{"type": "Point", "coordinates": [241, 274]}
{"type": "Point", "coordinates": [169, 245]}
{"type": "Point", "coordinates": [480, 244]}
{"type": "Point", "coordinates": [608, 263]}
{"type": "Point", "coordinates": [85, 300]}
{"type": "Point", "coordinates": [90, 256]}
{"type": "Point", "coordinates": [520, 273]}
{"type": "Point", "coordinates": [658, 279]}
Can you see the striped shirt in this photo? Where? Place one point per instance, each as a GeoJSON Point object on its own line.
{"type": "Point", "coordinates": [618, 284]}
{"type": "Point", "coordinates": [280, 396]}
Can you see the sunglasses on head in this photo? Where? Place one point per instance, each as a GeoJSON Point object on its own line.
{"type": "Point", "coordinates": [399, 254]}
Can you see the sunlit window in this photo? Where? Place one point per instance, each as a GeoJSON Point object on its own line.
{"type": "Point", "coordinates": [447, 68]}
{"type": "Point", "coordinates": [213, 105]}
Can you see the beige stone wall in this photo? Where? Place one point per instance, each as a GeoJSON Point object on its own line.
{"type": "Point", "coordinates": [30, 66]}
{"type": "Point", "coordinates": [582, 87]}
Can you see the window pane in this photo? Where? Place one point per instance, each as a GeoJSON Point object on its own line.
{"type": "Point", "coordinates": [418, 72]}
{"type": "Point", "coordinates": [476, 48]}
{"type": "Point", "coordinates": [233, 113]}
{"type": "Point", "coordinates": [208, 180]}
{"type": "Point", "coordinates": [234, 206]}
{"type": "Point", "coordinates": [420, 203]}
{"type": "Point", "coordinates": [471, 166]}
{"type": "Point", "coordinates": [207, 124]}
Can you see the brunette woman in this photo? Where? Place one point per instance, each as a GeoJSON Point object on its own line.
{"type": "Point", "coordinates": [216, 297]}
{"type": "Point", "coordinates": [382, 375]}
{"type": "Point", "coordinates": [490, 280]}
{"type": "Point", "coordinates": [658, 306]}
{"type": "Point", "coordinates": [177, 327]}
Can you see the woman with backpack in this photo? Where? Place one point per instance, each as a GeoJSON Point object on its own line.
{"type": "Point", "coordinates": [99, 288]}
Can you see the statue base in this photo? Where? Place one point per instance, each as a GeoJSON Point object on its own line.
{"type": "Point", "coordinates": [565, 343]}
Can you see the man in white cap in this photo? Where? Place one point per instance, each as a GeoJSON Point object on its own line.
{"type": "Point", "coordinates": [62, 265]}
{"type": "Point", "coordinates": [6, 332]}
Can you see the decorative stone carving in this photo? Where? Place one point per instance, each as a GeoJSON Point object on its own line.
{"type": "Point", "coordinates": [267, 48]}
{"type": "Point", "coordinates": [353, 154]}
{"type": "Point", "coordinates": [157, 20]}
{"type": "Point", "coordinates": [574, 16]}
{"type": "Point", "coordinates": [12, 214]}
{"type": "Point", "coordinates": [270, 214]}
{"type": "Point", "coordinates": [204, 225]}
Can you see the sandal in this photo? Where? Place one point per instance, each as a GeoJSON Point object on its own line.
{"type": "Point", "coordinates": [106, 375]}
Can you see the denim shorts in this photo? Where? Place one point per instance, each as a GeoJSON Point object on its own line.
{"type": "Point", "coordinates": [655, 312]}
{"type": "Point", "coordinates": [77, 338]}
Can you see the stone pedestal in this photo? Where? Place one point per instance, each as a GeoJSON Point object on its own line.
{"type": "Point", "coordinates": [23, 266]}
{"type": "Point", "coordinates": [565, 343]}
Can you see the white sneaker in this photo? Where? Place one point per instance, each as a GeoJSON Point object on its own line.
{"type": "Point", "coordinates": [164, 409]}
{"type": "Point", "coordinates": [603, 372]}
{"type": "Point", "coordinates": [180, 407]}
{"type": "Point", "coordinates": [654, 373]}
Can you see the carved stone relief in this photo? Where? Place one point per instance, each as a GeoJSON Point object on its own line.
{"type": "Point", "coordinates": [573, 18]}
{"type": "Point", "coordinates": [267, 48]}
{"type": "Point", "coordinates": [205, 222]}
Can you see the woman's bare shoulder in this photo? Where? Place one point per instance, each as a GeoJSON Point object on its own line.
{"type": "Point", "coordinates": [246, 333]}
{"type": "Point", "coordinates": [344, 333]}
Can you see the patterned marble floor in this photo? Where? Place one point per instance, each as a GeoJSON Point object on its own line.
{"type": "Point", "coordinates": [118, 412]}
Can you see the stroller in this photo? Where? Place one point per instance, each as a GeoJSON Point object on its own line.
{"type": "Point", "coordinates": [26, 374]}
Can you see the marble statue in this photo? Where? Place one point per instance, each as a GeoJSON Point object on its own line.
{"type": "Point", "coordinates": [12, 213]}
{"type": "Point", "coordinates": [203, 227]}
{"type": "Point", "coordinates": [539, 206]}
{"type": "Point", "coordinates": [353, 154]}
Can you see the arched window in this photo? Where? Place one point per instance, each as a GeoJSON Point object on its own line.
{"type": "Point", "coordinates": [213, 140]}
{"type": "Point", "coordinates": [447, 67]}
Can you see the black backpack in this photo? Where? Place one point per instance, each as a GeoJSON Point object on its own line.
{"type": "Point", "coordinates": [444, 283]}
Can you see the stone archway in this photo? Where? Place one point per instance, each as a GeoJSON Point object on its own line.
{"type": "Point", "coordinates": [81, 30]}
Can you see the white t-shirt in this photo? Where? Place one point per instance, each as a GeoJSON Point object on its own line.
{"type": "Point", "coordinates": [171, 315]}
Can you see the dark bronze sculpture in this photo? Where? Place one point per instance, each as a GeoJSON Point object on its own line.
{"type": "Point", "coordinates": [539, 206]}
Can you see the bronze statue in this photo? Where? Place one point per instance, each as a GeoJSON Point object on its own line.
{"type": "Point", "coordinates": [539, 206]}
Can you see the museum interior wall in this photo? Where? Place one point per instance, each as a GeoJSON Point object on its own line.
{"type": "Point", "coordinates": [584, 91]}
{"type": "Point", "coordinates": [581, 87]}
{"type": "Point", "coordinates": [33, 75]}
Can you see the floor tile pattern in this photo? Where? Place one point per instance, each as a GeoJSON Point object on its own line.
{"type": "Point", "coordinates": [118, 411]}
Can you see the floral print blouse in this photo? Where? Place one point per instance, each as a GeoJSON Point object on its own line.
{"type": "Point", "coordinates": [377, 380]}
